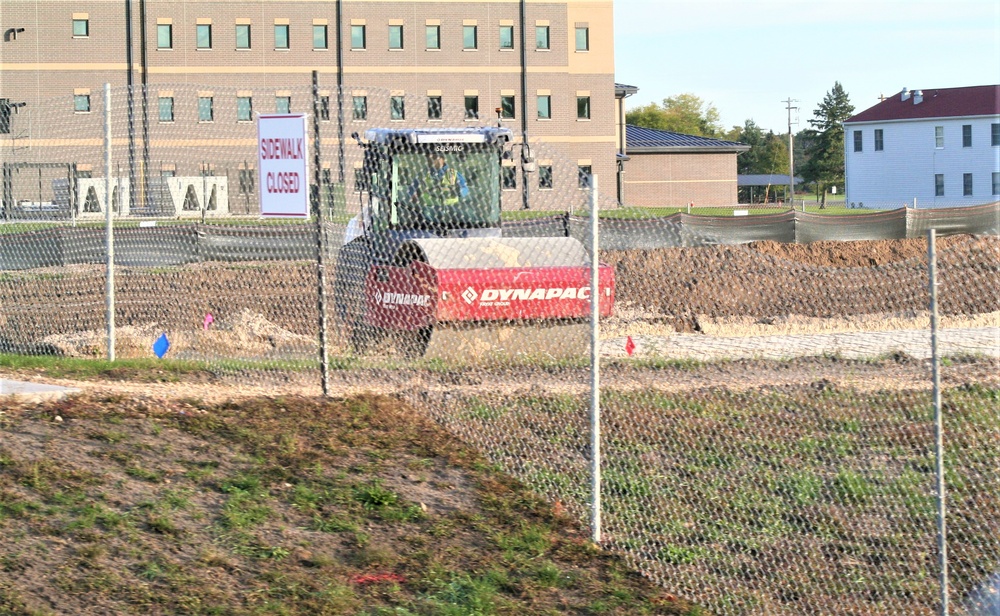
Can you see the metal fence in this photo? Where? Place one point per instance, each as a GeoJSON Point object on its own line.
{"type": "Point", "coordinates": [767, 438]}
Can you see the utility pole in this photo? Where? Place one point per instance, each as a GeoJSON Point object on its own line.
{"type": "Point", "coordinates": [791, 152]}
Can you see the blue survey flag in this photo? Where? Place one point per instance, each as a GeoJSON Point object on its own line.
{"type": "Point", "coordinates": [161, 346]}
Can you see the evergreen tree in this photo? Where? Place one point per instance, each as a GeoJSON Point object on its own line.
{"type": "Point", "coordinates": [825, 164]}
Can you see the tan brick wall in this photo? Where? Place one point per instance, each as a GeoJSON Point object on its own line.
{"type": "Point", "coordinates": [676, 180]}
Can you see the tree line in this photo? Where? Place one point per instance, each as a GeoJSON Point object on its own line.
{"type": "Point", "coordinates": [819, 149]}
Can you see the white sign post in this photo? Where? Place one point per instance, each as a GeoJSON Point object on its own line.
{"type": "Point", "coordinates": [281, 161]}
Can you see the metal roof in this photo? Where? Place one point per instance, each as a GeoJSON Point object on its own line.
{"type": "Point", "coordinates": [640, 139]}
{"type": "Point", "coordinates": [935, 103]}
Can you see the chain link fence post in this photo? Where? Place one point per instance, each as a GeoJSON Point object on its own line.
{"type": "Point", "coordinates": [942, 537]}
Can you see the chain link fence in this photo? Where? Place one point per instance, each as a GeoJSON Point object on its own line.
{"type": "Point", "coordinates": [767, 435]}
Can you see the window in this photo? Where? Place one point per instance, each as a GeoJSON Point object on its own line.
{"type": "Point", "coordinates": [967, 135]}
{"type": "Point", "coordinates": [471, 107]}
{"type": "Point", "coordinates": [433, 107]}
{"type": "Point", "coordinates": [246, 181]}
{"type": "Point", "coordinates": [583, 173]}
{"type": "Point", "coordinates": [879, 143]}
{"type": "Point", "coordinates": [244, 109]}
{"type": "Point", "coordinates": [324, 108]}
{"type": "Point", "coordinates": [164, 36]}
{"type": "Point", "coordinates": [470, 38]}
{"type": "Point", "coordinates": [5, 107]}
{"type": "Point", "coordinates": [541, 37]}
{"type": "Point", "coordinates": [360, 104]}
{"type": "Point", "coordinates": [544, 107]}
{"type": "Point", "coordinates": [81, 103]}
{"type": "Point", "coordinates": [206, 112]}
{"type": "Point", "coordinates": [319, 36]}
{"type": "Point", "coordinates": [938, 184]}
{"type": "Point", "coordinates": [358, 37]}
{"type": "Point", "coordinates": [281, 40]}
{"type": "Point", "coordinates": [507, 106]}
{"type": "Point", "coordinates": [203, 36]}
{"type": "Point", "coordinates": [996, 182]}
{"type": "Point", "coordinates": [282, 104]}
{"type": "Point", "coordinates": [242, 36]}
{"type": "Point", "coordinates": [166, 109]}
{"type": "Point", "coordinates": [397, 108]}
{"type": "Point", "coordinates": [939, 136]}
{"type": "Point", "coordinates": [966, 184]}
{"type": "Point", "coordinates": [506, 37]}
{"type": "Point", "coordinates": [582, 38]}
{"type": "Point", "coordinates": [395, 37]}
{"type": "Point", "coordinates": [81, 27]}
{"type": "Point", "coordinates": [545, 177]}
{"type": "Point", "coordinates": [582, 107]}
{"type": "Point", "coordinates": [857, 141]}
{"type": "Point", "coordinates": [433, 37]}
{"type": "Point", "coordinates": [994, 134]}
{"type": "Point", "coordinates": [508, 177]}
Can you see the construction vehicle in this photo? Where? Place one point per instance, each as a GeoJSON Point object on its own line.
{"type": "Point", "coordinates": [425, 265]}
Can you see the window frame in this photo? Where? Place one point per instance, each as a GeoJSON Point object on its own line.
{"type": "Point", "coordinates": [436, 31]}
{"type": "Point", "coordinates": [285, 29]}
{"type": "Point", "coordinates": [586, 38]}
{"type": "Point", "coordinates": [547, 99]}
{"type": "Point", "coordinates": [583, 175]}
{"type": "Point", "coordinates": [540, 44]}
{"type": "Point", "coordinates": [500, 41]}
{"type": "Point", "coordinates": [471, 111]}
{"type": "Point", "coordinates": [398, 31]}
{"type": "Point", "coordinates": [466, 30]}
{"type": "Point", "coordinates": [967, 135]}
{"type": "Point", "coordinates": [508, 177]}
{"type": "Point", "coordinates": [434, 107]}
{"type": "Point", "coordinates": [879, 140]}
{"type": "Point", "coordinates": [939, 137]}
{"type": "Point", "coordinates": [160, 29]}
{"type": "Point", "coordinates": [938, 184]}
{"type": "Point", "coordinates": [324, 29]}
{"type": "Point", "coordinates": [994, 134]}
{"type": "Point", "coordinates": [240, 116]}
{"type": "Point", "coordinates": [586, 114]}
{"type": "Point", "coordinates": [249, 36]}
{"type": "Point", "coordinates": [86, 27]}
{"type": "Point", "coordinates": [283, 101]}
{"type": "Point", "coordinates": [359, 113]}
{"type": "Point", "coordinates": [201, 109]}
{"type": "Point", "coordinates": [859, 144]}
{"type": "Point", "coordinates": [996, 182]}
{"type": "Point", "coordinates": [165, 104]}
{"type": "Point", "coordinates": [200, 31]}
{"type": "Point", "coordinates": [77, 107]}
{"type": "Point", "coordinates": [966, 184]}
{"type": "Point", "coordinates": [546, 179]}
{"type": "Point", "coordinates": [508, 107]}
{"type": "Point", "coordinates": [397, 108]}
{"type": "Point", "coordinates": [359, 37]}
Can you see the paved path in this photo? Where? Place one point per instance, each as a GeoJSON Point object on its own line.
{"type": "Point", "coordinates": [33, 392]}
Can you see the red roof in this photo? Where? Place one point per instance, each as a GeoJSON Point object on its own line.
{"type": "Point", "coordinates": [940, 103]}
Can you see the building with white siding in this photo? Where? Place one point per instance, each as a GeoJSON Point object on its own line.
{"type": "Point", "coordinates": [937, 147]}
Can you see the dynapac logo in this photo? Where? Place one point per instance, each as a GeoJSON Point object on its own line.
{"type": "Point", "coordinates": [402, 299]}
{"type": "Point", "coordinates": [502, 297]}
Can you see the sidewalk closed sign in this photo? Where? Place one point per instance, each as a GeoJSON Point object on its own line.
{"type": "Point", "coordinates": [281, 161]}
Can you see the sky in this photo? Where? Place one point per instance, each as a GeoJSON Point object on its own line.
{"type": "Point", "coordinates": [747, 57]}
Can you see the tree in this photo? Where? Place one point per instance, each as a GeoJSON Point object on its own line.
{"type": "Point", "coordinates": [684, 113]}
{"type": "Point", "coordinates": [768, 154]}
{"type": "Point", "coordinates": [825, 165]}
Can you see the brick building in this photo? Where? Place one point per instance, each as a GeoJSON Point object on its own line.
{"type": "Point", "coordinates": [207, 66]}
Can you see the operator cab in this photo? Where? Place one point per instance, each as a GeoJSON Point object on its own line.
{"type": "Point", "coordinates": [433, 182]}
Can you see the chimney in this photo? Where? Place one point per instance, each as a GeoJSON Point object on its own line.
{"type": "Point", "coordinates": [904, 95]}
{"type": "Point", "coordinates": [918, 97]}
